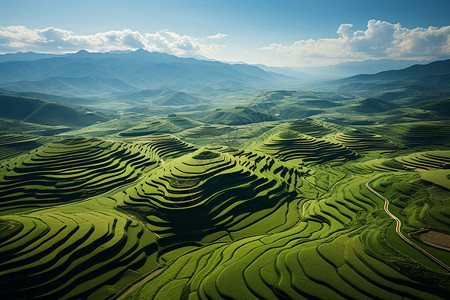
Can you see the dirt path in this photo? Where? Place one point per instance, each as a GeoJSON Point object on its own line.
{"type": "Point", "coordinates": [139, 284]}
{"type": "Point", "coordinates": [399, 225]}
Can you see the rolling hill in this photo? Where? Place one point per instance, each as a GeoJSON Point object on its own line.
{"type": "Point", "coordinates": [371, 105]}
{"type": "Point", "coordinates": [413, 84]}
{"type": "Point", "coordinates": [232, 116]}
{"type": "Point", "coordinates": [47, 113]}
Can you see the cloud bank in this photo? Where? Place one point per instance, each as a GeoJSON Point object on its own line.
{"type": "Point", "coordinates": [380, 40]}
{"type": "Point", "coordinates": [56, 40]}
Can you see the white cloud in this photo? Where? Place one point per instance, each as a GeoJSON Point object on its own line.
{"type": "Point", "coordinates": [380, 40]}
{"type": "Point", "coordinates": [56, 40]}
{"type": "Point", "coordinates": [217, 36]}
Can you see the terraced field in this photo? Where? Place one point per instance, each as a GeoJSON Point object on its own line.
{"type": "Point", "coordinates": [207, 131]}
{"type": "Point", "coordinates": [427, 134]}
{"type": "Point", "coordinates": [425, 160]}
{"type": "Point", "coordinates": [69, 170]}
{"type": "Point", "coordinates": [419, 133]}
{"type": "Point", "coordinates": [321, 252]}
{"type": "Point", "coordinates": [73, 254]}
{"type": "Point", "coordinates": [362, 141]}
{"type": "Point", "coordinates": [182, 122]}
{"type": "Point", "coordinates": [166, 145]}
{"type": "Point", "coordinates": [15, 144]}
{"type": "Point", "coordinates": [205, 193]}
{"type": "Point", "coordinates": [151, 127]}
{"type": "Point", "coordinates": [309, 127]}
{"type": "Point", "coordinates": [290, 145]}
{"type": "Point", "coordinates": [287, 217]}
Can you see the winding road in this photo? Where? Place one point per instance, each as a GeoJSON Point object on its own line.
{"type": "Point", "coordinates": [399, 224]}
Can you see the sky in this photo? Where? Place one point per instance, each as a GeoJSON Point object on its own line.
{"type": "Point", "coordinates": [276, 33]}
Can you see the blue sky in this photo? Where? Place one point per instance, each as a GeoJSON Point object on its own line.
{"type": "Point", "coordinates": [295, 33]}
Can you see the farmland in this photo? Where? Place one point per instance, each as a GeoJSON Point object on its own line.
{"type": "Point", "coordinates": [228, 193]}
{"type": "Point", "coordinates": [284, 214]}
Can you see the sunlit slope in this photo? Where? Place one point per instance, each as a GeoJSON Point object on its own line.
{"type": "Point", "coordinates": [88, 252]}
{"type": "Point", "coordinates": [167, 145]}
{"type": "Point", "coordinates": [426, 134]}
{"type": "Point", "coordinates": [290, 145]}
{"type": "Point", "coordinates": [47, 112]}
{"type": "Point", "coordinates": [15, 144]}
{"type": "Point", "coordinates": [72, 169]}
{"type": "Point", "coordinates": [309, 127]}
{"type": "Point", "coordinates": [362, 141]}
{"type": "Point", "coordinates": [332, 247]}
{"type": "Point", "coordinates": [207, 194]}
{"type": "Point", "coordinates": [152, 127]}
{"type": "Point", "coordinates": [420, 161]}
{"type": "Point", "coordinates": [416, 134]}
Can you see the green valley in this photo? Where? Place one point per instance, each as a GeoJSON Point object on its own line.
{"type": "Point", "coordinates": [259, 193]}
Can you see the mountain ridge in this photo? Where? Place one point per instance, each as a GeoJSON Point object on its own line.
{"type": "Point", "coordinates": [138, 69]}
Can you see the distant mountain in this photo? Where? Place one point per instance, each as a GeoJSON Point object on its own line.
{"type": "Point", "coordinates": [94, 74]}
{"type": "Point", "coordinates": [178, 99]}
{"type": "Point", "coordinates": [70, 86]}
{"type": "Point", "coordinates": [370, 66]}
{"type": "Point", "coordinates": [284, 70]}
{"type": "Point", "coordinates": [60, 99]}
{"type": "Point", "coordinates": [160, 97]}
{"type": "Point", "coordinates": [24, 56]}
{"type": "Point", "coordinates": [433, 73]}
{"type": "Point", "coordinates": [409, 85]}
{"type": "Point", "coordinates": [47, 113]}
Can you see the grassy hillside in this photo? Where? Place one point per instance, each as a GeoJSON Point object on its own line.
{"type": "Point", "coordinates": [247, 201]}
{"type": "Point", "coordinates": [46, 113]}
{"type": "Point", "coordinates": [288, 216]}
{"type": "Point", "coordinates": [70, 170]}
{"type": "Point", "coordinates": [371, 105]}
{"type": "Point", "coordinates": [233, 116]}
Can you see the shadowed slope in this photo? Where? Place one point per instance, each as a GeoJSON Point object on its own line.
{"type": "Point", "coordinates": [72, 255]}
{"type": "Point", "coordinates": [361, 141]}
{"type": "Point", "coordinates": [205, 193]}
{"type": "Point", "coordinates": [73, 169]}
{"type": "Point", "coordinates": [290, 145]}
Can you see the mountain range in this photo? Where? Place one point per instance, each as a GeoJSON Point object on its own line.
{"type": "Point", "coordinates": [85, 74]}
{"type": "Point", "coordinates": [409, 85]}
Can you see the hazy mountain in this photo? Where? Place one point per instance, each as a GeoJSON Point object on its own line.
{"type": "Point", "coordinates": [70, 86]}
{"type": "Point", "coordinates": [412, 84]}
{"type": "Point", "coordinates": [159, 97]}
{"type": "Point", "coordinates": [346, 69]}
{"type": "Point", "coordinates": [88, 74]}
{"type": "Point", "coordinates": [24, 56]}
{"type": "Point", "coordinates": [60, 99]}
{"type": "Point", "coordinates": [284, 71]}
{"type": "Point", "coordinates": [431, 73]}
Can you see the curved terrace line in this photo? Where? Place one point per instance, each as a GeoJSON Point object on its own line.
{"type": "Point", "coordinates": [399, 224]}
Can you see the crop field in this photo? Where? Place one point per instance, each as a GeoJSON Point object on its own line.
{"type": "Point", "coordinates": [290, 145]}
{"type": "Point", "coordinates": [70, 170]}
{"type": "Point", "coordinates": [173, 208]}
{"type": "Point", "coordinates": [73, 253]}
{"type": "Point", "coordinates": [15, 144]}
{"type": "Point", "coordinates": [362, 141]}
{"type": "Point", "coordinates": [310, 127]}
